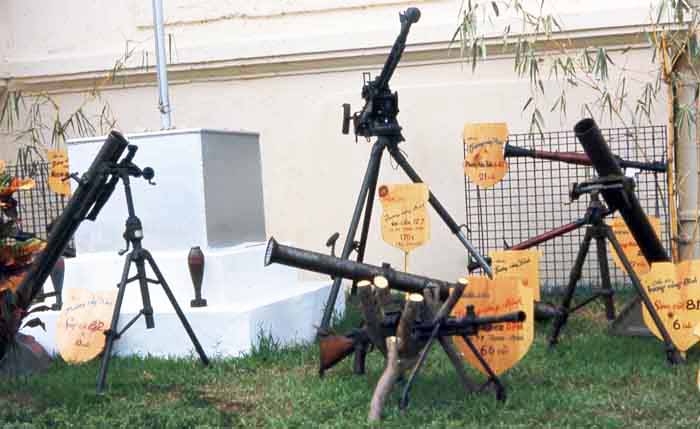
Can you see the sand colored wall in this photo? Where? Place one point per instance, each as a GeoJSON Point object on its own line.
{"type": "Point", "coordinates": [283, 69]}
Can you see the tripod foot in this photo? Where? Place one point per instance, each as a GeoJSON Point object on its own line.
{"type": "Point", "coordinates": [501, 393]}
{"type": "Point", "coordinates": [675, 357]}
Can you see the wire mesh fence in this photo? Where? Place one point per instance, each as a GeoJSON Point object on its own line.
{"type": "Point", "coordinates": [534, 198]}
{"type": "Point", "coordinates": [39, 206]}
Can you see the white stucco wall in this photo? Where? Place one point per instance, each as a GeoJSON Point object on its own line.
{"type": "Point", "coordinates": [283, 69]}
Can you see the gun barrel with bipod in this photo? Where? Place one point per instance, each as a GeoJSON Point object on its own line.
{"type": "Point", "coordinates": [335, 348]}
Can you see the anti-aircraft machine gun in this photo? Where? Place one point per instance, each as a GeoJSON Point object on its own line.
{"type": "Point", "coordinates": [378, 118]}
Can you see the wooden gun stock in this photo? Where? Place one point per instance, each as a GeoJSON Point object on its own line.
{"type": "Point", "coordinates": [335, 348]}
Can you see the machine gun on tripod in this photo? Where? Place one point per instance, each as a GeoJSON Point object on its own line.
{"type": "Point", "coordinates": [378, 118]}
{"type": "Point", "coordinates": [404, 337]}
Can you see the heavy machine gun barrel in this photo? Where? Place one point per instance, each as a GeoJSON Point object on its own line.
{"type": "Point", "coordinates": [337, 267]}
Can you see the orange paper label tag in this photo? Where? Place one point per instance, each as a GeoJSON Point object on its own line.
{"type": "Point", "coordinates": [674, 290]}
{"type": "Point", "coordinates": [502, 345]}
{"type": "Point", "coordinates": [485, 162]}
{"type": "Point", "coordinates": [523, 265]}
{"type": "Point", "coordinates": [80, 326]}
{"type": "Point", "coordinates": [405, 220]}
{"type": "Point", "coordinates": [58, 159]}
{"type": "Point", "coordinates": [629, 244]}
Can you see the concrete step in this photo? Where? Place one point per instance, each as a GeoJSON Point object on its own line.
{"type": "Point", "coordinates": [231, 275]}
{"type": "Point", "coordinates": [224, 330]}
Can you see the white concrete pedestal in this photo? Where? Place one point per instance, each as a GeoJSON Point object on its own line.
{"type": "Point", "coordinates": [208, 194]}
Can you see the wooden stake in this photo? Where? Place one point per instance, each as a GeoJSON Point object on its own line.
{"type": "Point", "coordinates": [408, 347]}
{"type": "Point", "coordinates": [372, 314]}
{"type": "Point", "coordinates": [382, 291]}
{"type": "Point", "coordinates": [386, 381]}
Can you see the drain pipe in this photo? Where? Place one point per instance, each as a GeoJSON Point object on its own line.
{"type": "Point", "coordinates": [164, 98]}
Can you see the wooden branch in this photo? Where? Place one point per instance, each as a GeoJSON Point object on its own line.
{"type": "Point", "coordinates": [407, 345]}
{"type": "Point", "coordinates": [372, 314]}
{"type": "Point", "coordinates": [382, 291]}
{"type": "Point", "coordinates": [451, 301]}
{"type": "Point", "coordinates": [386, 381]}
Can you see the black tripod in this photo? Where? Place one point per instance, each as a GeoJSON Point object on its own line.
{"type": "Point", "coordinates": [600, 231]}
{"type": "Point", "coordinates": [378, 119]}
{"type": "Point", "coordinates": [138, 256]}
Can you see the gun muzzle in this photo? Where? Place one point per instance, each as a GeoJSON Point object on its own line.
{"type": "Point", "coordinates": [516, 316]}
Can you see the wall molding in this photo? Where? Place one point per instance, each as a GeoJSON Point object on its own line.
{"type": "Point", "coordinates": [419, 54]}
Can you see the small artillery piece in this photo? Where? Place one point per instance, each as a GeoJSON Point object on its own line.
{"type": "Point", "coordinates": [95, 188]}
{"type": "Point", "coordinates": [405, 336]}
{"type": "Point", "coordinates": [16, 305]}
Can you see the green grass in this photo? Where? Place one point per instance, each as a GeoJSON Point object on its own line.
{"type": "Point", "coordinates": [591, 380]}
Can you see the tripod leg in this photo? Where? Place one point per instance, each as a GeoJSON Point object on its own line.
{"type": "Point", "coordinates": [574, 277]}
{"type": "Point", "coordinates": [672, 354]}
{"type": "Point", "coordinates": [605, 276]}
{"type": "Point", "coordinates": [439, 208]}
{"type": "Point", "coordinates": [370, 173]}
{"type": "Point", "coordinates": [159, 276]}
{"type": "Point", "coordinates": [112, 332]}
{"type": "Point", "coordinates": [403, 403]}
{"type": "Point", "coordinates": [369, 203]}
{"type": "Point", "coordinates": [493, 378]}
{"type": "Point", "coordinates": [143, 284]}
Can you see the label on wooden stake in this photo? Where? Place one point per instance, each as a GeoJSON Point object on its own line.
{"type": "Point", "coordinates": [523, 265]}
{"type": "Point", "coordinates": [80, 326]}
{"type": "Point", "coordinates": [629, 244]}
{"type": "Point", "coordinates": [502, 345]}
{"type": "Point", "coordinates": [674, 290]}
{"type": "Point", "coordinates": [484, 162]}
{"type": "Point", "coordinates": [58, 158]}
{"type": "Point", "coordinates": [405, 221]}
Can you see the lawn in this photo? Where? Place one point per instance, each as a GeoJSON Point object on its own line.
{"type": "Point", "coordinates": [591, 380]}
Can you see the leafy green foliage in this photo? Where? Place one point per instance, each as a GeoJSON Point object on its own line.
{"type": "Point", "coordinates": [542, 43]}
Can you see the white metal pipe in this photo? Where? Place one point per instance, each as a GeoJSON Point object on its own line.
{"type": "Point", "coordinates": [161, 66]}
